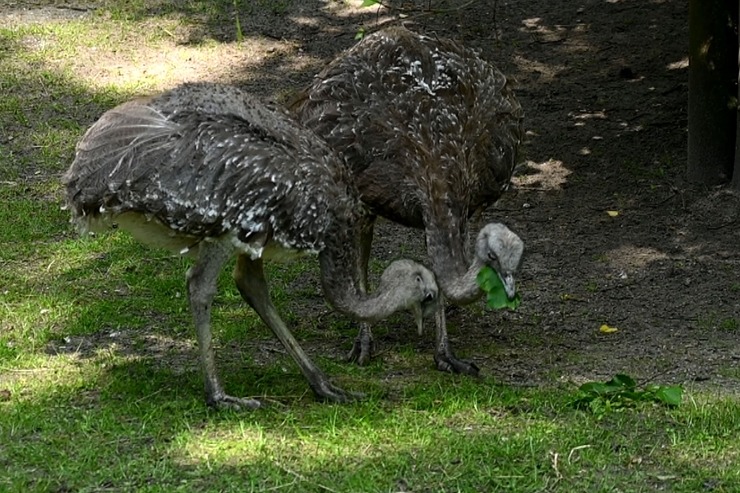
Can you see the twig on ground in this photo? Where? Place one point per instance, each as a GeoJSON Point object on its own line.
{"type": "Point", "coordinates": [618, 286]}
{"type": "Point", "coordinates": [148, 396]}
{"type": "Point", "coordinates": [641, 383]}
{"type": "Point", "coordinates": [429, 10]}
{"type": "Point", "coordinates": [671, 196]}
{"type": "Point", "coordinates": [281, 486]}
{"type": "Point", "coordinates": [273, 399]}
{"type": "Point", "coordinates": [574, 450]}
{"type": "Point", "coordinates": [554, 462]}
{"type": "Point", "coordinates": [409, 14]}
{"type": "Point", "coordinates": [167, 32]}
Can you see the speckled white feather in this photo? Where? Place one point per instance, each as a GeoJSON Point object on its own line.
{"type": "Point", "coordinates": [207, 160]}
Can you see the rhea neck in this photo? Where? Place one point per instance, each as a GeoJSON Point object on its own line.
{"type": "Point", "coordinates": [456, 273]}
{"type": "Point", "coordinates": [341, 278]}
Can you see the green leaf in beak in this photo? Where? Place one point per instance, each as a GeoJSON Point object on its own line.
{"type": "Point", "coordinates": [490, 282]}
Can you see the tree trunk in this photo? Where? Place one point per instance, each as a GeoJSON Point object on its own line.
{"type": "Point", "coordinates": [736, 172]}
{"type": "Point", "coordinates": [713, 71]}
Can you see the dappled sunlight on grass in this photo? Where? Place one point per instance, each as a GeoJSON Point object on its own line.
{"type": "Point", "coordinates": [28, 218]}
{"type": "Point", "coordinates": [35, 375]}
{"type": "Point", "coordinates": [470, 433]}
{"type": "Point", "coordinates": [100, 382]}
{"type": "Point", "coordinates": [124, 405]}
{"type": "Point", "coordinates": [78, 287]}
{"type": "Point", "coordinates": [142, 58]}
{"type": "Point", "coordinates": [130, 411]}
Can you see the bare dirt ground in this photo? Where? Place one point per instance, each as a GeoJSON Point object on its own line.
{"type": "Point", "coordinates": [604, 85]}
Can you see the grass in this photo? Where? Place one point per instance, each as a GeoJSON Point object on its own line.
{"type": "Point", "coordinates": [135, 430]}
{"type": "Point", "coordinates": [99, 384]}
{"type": "Point", "coordinates": [712, 321]}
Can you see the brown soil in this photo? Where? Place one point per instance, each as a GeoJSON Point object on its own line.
{"type": "Point", "coordinates": [604, 85]}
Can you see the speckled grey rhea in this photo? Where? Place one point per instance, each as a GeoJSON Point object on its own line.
{"type": "Point", "coordinates": [431, 132]}
{"type": "Point", "coordinates": [208, 171]}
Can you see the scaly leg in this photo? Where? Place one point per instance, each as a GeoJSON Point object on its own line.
{"type": "Point", "coordinates": [443, 357]}
{"type": "Point", "coordinates": [250, 280]}
{"type": "Point", "coordinates": [201, 289]}
{"type": "Point", "coordinates": [364, 345]}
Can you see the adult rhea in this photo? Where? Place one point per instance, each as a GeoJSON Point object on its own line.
{"type": "Point", "coordinates": [430, 131]}
{"type": "Point", "coordinates": [208, 171]}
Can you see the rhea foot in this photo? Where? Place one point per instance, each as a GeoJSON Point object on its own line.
{"type": "Point", "coordinates": [447, 362]}
{"type": "Point", "coordinates": [327, 391]}
{"type": "Point", "coordinates": [362, 349]}
{"type": "Point", "coordinates": [224, 401]}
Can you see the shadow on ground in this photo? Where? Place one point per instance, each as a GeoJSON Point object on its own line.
{"type": "Point", "coordinates": [604, 88]}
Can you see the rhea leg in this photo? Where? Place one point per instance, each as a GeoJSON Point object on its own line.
{"type": "Point", "coordinates": [250, 280]}
{"type": "Point", "coordinates": [443, 356]}
{"type": "Point", "coordinates": [364, 345]}
{"type": "Point", "coordinates": [202, 279]}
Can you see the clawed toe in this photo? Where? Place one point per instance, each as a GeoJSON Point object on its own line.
{"type": "Point", "coordinates": [354, 354]}
{"type": "Point", "coordinates": [450, 364]}
{"type": "Point", "coordinates": [327, 391]}
{"type": "Point", "coordinates": [235, 403]}
{"type": "Point", "coordinates": [361, 352]}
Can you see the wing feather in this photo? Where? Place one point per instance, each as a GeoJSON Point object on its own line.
{"type": "Point", "coordinates": [204, 167]}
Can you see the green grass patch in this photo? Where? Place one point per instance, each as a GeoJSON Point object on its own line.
{"type": "Point", "coordinates": [140, 426]}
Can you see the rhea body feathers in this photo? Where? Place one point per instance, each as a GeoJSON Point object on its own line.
{"type": "Point", "coordinates": [207, 170]}
{"type": "Point", "coordinates": [207, 161]}
{"type": "Point", "coordinates": [417, 118]}
{"type": "Point", "coordinates": [431, 133]}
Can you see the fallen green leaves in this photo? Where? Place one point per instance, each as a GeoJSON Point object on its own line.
{"type": "Point", "coordinates": [621, 392]}
{"type": "Point", "coordinates": [491, 284]}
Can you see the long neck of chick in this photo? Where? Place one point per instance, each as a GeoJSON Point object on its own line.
{"type": "Point", "coordinates": [341, 275]}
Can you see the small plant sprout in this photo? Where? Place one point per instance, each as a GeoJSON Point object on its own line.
{"type": "Point", "coordinates": [239, 32]}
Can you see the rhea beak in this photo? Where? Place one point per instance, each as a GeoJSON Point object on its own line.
{"type": "Point", "coordinates": [423, 309]}
{"type": "Point", "coordinates": [418, 317]}
{"type": "Point", "coordinates": [509, 285]}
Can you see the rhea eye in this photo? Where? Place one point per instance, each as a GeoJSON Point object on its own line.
{"type": "Point", "coordinates": [492, 257]}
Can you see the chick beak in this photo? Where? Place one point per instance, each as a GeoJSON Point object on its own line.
{"type": "Point", "coordinates": [418, 317]}
{"type": "Point", "coordinates": [425, 308]}
{"type": "Point", "coordinates": [509, 285]}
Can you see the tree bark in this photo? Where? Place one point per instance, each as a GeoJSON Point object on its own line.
{"type": "Point", "coordinates": [713, 71]}
{"type": "Point", "coordinates": [736, 172]}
